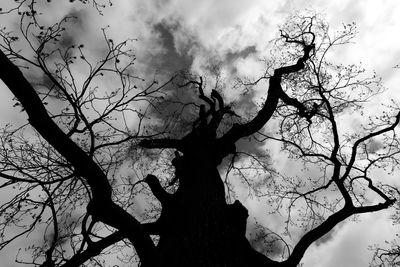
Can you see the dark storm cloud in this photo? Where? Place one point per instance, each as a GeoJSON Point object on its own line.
{"type": "Point", "coordinates": [374, 146]}
{"type": "Point", "coordinates": [251, 146]}
{"type": "Point", "coordinates": [171, 60]}
{"type": "Point", "coordinates": [244, 53]}
{"type": "Point", "coordinates": [325, 238]}
{"type": "Point", "coordinates": [74, 27]}
{"type": "Point", "coordinates": [227, 59]}
{"type": "Point", "coordinates": [231, 56]}
{"type": "Point", "coordinates": [166, 62]}
{"type": "Point", "coordinates": [67, 40]}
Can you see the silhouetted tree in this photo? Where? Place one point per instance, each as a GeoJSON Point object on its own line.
{"type": "Point", "coordinates": [66, 167]}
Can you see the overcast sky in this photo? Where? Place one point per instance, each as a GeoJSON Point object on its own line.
{"type": "Point", "coordinates": [192, 34]}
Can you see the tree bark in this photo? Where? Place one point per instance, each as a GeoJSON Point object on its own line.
{"type": "Point", "coordinates": [197, 226]}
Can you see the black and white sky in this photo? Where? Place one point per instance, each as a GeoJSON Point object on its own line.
{"type": "Point", "coordinates": [190, 34]}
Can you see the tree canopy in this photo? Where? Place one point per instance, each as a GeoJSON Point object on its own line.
{"type": "Point", "coordinates": [114, 166]}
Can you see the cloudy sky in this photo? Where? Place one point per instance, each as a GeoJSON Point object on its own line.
{"type": "Point", "coordinates": [192, 34]}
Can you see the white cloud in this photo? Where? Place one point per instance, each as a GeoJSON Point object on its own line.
{"type": "Point", "coordinates": [230, 26]}
{"type": "Point", "coordinates": [348, 246]}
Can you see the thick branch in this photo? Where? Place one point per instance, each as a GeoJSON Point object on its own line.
{"type": "Point", "coordinates": [369, 136]}
{"type": "Point", "coordinates": [41, 121]}
{"type": "Point", "coordinates": [157, 190]}
{"type": "Point", "coordinates": [328, 225]}
{"type": "Point", "coordinates": [275, 93]}
{"type": "Point", "coordinates": [241, 130]}
{"type": "Point", "coordinates": [84, 165]}
{"type": "Point", "coordinates": [314, 234]}
{"type": "Point", "coordinates": [376, 207]}
{"type": "Point", "coordinates": [94, 249]}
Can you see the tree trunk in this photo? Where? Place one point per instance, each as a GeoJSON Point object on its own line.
{"type": "Point", "coordinates": [197, 226]}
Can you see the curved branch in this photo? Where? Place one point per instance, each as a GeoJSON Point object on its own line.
{"type": "Point", "coordinates": [275, 92]}
{"type": "Point", "coordinates": [314, 234]}
{"type": "Point", "coordinates": [157, 190]}
{"type": "Point", "coordinates": [369, 136]}
{"type": "Point", "coordinates": [94, 249]}
{"type": "Point", "coordinates": [327, 226]}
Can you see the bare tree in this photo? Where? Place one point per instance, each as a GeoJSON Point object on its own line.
{"type": "Point", "coordinates": [69, 182]}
